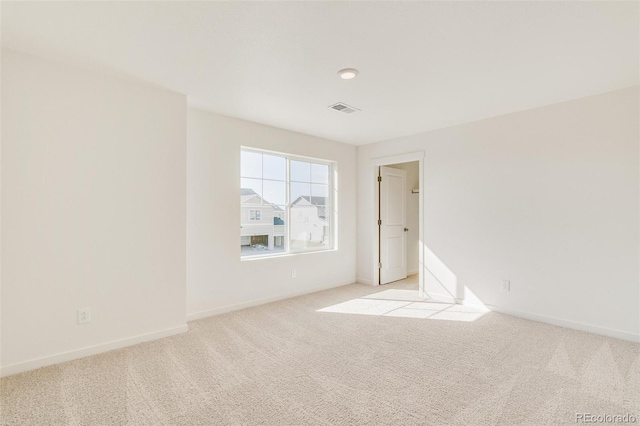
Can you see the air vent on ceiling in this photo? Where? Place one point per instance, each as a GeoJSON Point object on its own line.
{"type": "Point", "coordinates": [342, 107]}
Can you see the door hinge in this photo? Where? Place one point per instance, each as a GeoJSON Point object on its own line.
{"type": "Point", "coordinates": [379, 222]}
{"type": "Point", "coordinates": [379, 178]}
{"type": "Point", "coordinates": [379, 265]}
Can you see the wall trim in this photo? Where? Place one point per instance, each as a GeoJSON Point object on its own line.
{"type": "Point", "coordinates": [256, 302]}
{"type": "Point", "coordinates": [396, 159]}
{"type": "Point", "coordinates": [58, 358]}
{"type": "Point", "coordinates": [365, 281]}
{"type": "Point", "coordinates": [603, 331]}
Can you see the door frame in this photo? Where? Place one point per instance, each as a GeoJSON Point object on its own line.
{"type": "Point", "coordinates": [386, 161]}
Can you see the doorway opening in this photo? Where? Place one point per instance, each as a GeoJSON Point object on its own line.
{"type": "Point", "coordinates": [398, 221]}
{"type": "Point", "coordinates": [411, 189]}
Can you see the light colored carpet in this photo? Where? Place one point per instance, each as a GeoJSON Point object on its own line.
{"type": "Point", "coordinates": [352, 355]}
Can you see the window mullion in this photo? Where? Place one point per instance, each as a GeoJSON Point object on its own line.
{"type": "Point", "coordinates": [287, 207]}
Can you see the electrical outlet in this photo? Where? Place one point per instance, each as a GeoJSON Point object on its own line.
{"type": "Point", "coordinates": [293, 273]}
{"type": "Point", "coordinates": [84, 316]}
{"type": "Point", "coordinates": [506, 285]}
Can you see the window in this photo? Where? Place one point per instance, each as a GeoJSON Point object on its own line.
{"type": "Point", "coordinates": [277, 187]}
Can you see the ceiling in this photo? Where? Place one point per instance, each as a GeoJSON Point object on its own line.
{"type": "Point", "coordinates": [423, 65]}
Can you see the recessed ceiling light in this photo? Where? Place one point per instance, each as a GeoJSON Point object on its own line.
{"type": "Point", "coordinates": [348, 73]}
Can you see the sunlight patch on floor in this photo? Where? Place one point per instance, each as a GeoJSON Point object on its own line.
{"type": "Point", "coordinates": [405, 304]}
{"type": "Point", "coordinates": [396, 294]}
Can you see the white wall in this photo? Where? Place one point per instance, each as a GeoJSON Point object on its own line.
{"type": "Point", "coordinates": [93, 212]}
{"type": "Point", "coordinates": [217, 280]}
{"type": "Point", "coordinates": [547, 198]}
{"type": "Point", "coordinates": [413, 218]}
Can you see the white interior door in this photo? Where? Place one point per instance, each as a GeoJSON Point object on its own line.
{"type": "Point", "coordinates": [393, 224]}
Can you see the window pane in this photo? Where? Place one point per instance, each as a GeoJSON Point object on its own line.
{"type": "Point", "coordinates": [300, 171]}
{"type": "Point", "coordinates": [298, 190]}
{"type": "Point", "coordinates": [262, 230]}
{"type": "Point", "coordinates": [323, 212]}
{"type": "Point", "coordinates": [279, 216]}
{"type": "Point", "coordinates": [319, 173]}
{"type": "Point", "coordinates": [274, 168]}
{"type": "Point", "coordinates": [279, 228]}
{"type": "Point", "coordinates": [319, 194]}
{"type": "Point", "coordinates": [274, 192]}
{"type": "Point", "coordinates": [246, 188]}
{"type": "Point", "coordinates": [309, 227]}
{"type": "Point", "coordinates": [250, 164]}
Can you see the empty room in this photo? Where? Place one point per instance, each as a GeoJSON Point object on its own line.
{"type": "Point", "coordinates": [320, 213]}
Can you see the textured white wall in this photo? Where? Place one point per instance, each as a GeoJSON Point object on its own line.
{"type": "Point", "coordinates": [217, 280]}
{"type": "Point", "coordinates": [93, 212]}
{"type": "Point", "coordinates": [547, 198]}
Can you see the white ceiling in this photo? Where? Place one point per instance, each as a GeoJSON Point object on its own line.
{"type": "Point", "coordinates": [423, 65]}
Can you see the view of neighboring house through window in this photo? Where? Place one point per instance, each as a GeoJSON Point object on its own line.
{"type": "Point", "coordinates": [255, 214]}
{"type": "Point", "coordinates": [285, 204]}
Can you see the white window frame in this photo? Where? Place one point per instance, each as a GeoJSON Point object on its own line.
{"type": "Point", "coordinates": [332, 200]}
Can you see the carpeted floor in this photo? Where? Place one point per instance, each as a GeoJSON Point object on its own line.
{"type": "Point", "coordinates": [351, 355]}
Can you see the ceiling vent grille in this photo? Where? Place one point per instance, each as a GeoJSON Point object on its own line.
{"type": "Point", "coordinates": [342, 107]}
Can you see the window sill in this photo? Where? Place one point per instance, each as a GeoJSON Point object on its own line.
{"type": "Point", "coordinates": [279, 255]}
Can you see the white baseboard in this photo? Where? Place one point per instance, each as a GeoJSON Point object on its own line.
{"type": "Point", "coordinates": [364, 281]}
{"type": "Point", "coordinates": [603, 331]}
{"type": "Point", "coordinates": [250, 303]}
{"type": "Point", "coordinates": [412, 272]}
{"type": "Point", "coordinates": [32, 364]}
